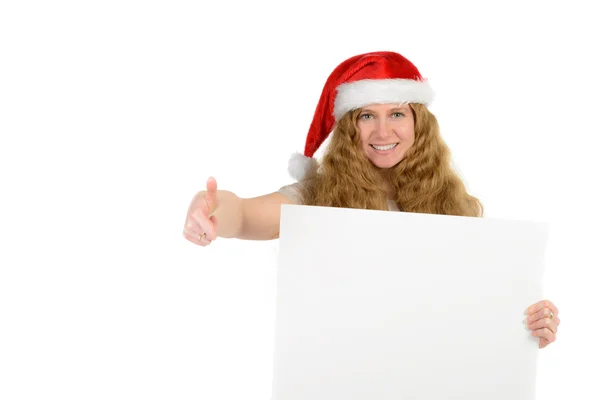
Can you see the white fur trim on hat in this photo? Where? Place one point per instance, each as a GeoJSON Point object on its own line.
{"type": "Point", "coordinates": [301, 167]}
{"type": "Point", "coordinates": [353, 95]}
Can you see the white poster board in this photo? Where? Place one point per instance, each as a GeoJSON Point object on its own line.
{"type": "Point", "coordinates": [378, 305]}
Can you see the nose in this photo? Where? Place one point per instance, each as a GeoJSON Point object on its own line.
{"type": "Point", "coordinates": [384, 128]}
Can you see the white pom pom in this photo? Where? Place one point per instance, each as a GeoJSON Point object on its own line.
{"type": "Point", "coordinates": [301, 167]}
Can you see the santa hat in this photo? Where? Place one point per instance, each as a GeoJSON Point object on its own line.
{"type": "Point", "coordinates": [382, 77]}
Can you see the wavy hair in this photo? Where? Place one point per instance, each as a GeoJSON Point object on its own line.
{"type": "Point", "coordinates": [423, 182]}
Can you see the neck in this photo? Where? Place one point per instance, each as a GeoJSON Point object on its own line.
{"type": "Point", "coordinates": [386, 175]}
{"type": "Point", "coordinates": [389, 188]}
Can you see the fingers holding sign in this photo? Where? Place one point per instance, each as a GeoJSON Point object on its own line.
{"type": "Point", "coordinates": [543, 321]}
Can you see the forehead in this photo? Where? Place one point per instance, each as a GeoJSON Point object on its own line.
{"type": "Point", "coordinates": [386, 107]}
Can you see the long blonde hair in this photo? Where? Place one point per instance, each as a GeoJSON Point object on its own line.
{"type": "Point", "coordinates": [423, 182]}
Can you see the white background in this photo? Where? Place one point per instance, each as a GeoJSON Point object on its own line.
{"type": "Point", "coordinates": [113, 114]}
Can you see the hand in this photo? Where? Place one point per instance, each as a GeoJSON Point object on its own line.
{"type": "Point", "coordinates": [543, 320]}
{"type": "Point", "coordinates": [200, 225]}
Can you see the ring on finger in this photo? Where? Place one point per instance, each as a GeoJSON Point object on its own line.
{"type": "Point", "coordinates": [200, 237]}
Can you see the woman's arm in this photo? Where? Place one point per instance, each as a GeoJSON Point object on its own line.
{"type": "Point", "coordinates": [219, 213]}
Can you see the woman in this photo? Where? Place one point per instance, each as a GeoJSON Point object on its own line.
{"type": "Point", "coordinates": [385, 153]}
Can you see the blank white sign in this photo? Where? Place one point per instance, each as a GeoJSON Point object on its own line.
{"type": "Point", "coordinates": [378, 305]}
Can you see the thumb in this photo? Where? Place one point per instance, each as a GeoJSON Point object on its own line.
{"type": "Point", "coordinates": [211, 194]}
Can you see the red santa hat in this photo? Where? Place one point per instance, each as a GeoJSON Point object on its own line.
{"type": "Point", "coordinates": [382, 77]}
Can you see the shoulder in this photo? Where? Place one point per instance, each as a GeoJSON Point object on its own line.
{"type": "Point", "coordinates": [293, 191]}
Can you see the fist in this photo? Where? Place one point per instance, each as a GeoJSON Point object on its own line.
{"type": "Point", "coordinates": [200, 225]}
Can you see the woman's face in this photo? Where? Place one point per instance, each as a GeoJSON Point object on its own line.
{"type": "Point", "coordinates": [387, 131]}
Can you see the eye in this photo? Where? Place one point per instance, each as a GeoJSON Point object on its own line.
{"type": "Point", "coordinates": [366, 116]}
{"type": "Point", "coordinates": [397, 114]}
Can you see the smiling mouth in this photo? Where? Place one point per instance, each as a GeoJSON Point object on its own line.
{"type": "Point", "coordinates": [384, 147]}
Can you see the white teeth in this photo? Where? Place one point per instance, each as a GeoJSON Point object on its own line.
{"type": "Point", "coordinates": [386, 147]}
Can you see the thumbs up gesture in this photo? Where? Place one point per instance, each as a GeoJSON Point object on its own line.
{"type": "Point", "coordinates": [200, 224]}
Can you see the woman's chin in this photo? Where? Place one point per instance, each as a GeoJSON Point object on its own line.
{"type": "Point", "coordinates": [385, 163]}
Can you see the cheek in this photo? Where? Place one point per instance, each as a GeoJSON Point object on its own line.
{"type": "Point", "coordinates": [407, 134]}
{"type": "Point", "coordinates": [410, 138]}
{"type": "Point", "coordinates": [363, 134]}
